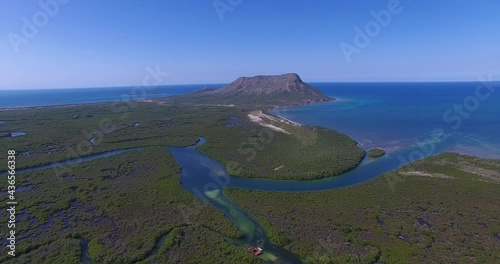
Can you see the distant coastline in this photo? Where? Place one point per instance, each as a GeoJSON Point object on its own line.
{"type": "Point", "coordinates": [19, 99]}
{"type": "Point", "coordinates": [27, 98]}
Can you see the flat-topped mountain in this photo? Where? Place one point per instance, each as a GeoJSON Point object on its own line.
{"type": "Point", "coordinates": [266, 90]}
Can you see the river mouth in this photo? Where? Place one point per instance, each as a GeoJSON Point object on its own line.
{"type": "Point", "coordinates": [367, 170]}
{"type": "Point", "coordinates": [206, 178]}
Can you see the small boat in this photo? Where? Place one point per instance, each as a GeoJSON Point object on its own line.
{"type": "Point", "coordinates": [255, 250]}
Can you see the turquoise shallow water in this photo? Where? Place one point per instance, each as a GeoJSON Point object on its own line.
{"type": "Point", "coordinates": [410, 120]}
{"type": "Point", "coordinates": [395, 116]}
{"type": "Point", "coordinates": [206, 178]}
{"type": "Point", "coordinates": [389, 115]}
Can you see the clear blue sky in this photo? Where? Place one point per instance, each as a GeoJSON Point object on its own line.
{"type": "Point", "coordinates": [95, 43]}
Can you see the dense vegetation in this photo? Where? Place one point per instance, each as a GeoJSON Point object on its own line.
{"type": "Point", "coordinates": [64, 250]}
{"type": "Point", "coordinates": [129, 207]}
{"type": "Point", "coordinates": [376, 153]}
{"type": "Point", "coordinates": [63, 132]}
{"type": "Point", "coordinates": [246, 148]}
{"type": "Point", "coordinates": [196, 244]}
{"type": "Point", "coordinates": [444, 208]}
{"type": "Point", "coordinates": [122, 205]}
{"type": "Point", "coordinates": [307, 153]}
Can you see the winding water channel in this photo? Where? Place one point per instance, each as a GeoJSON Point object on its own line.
{"type": "Point", "coordinates": [206, 178]}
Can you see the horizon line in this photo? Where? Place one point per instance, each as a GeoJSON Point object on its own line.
{"type": "Point", "coordinates": [207, 84]}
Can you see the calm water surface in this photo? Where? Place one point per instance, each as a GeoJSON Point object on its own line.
{"type": "Point", "coordinates": [395, 116]}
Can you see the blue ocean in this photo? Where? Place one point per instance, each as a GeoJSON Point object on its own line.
{"type": "Point", "coordinates": [395, 116]}
{"type": "Point", "coordinates": [391, 116]}
{"type": "Point", "coordinates": [46, 97]}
